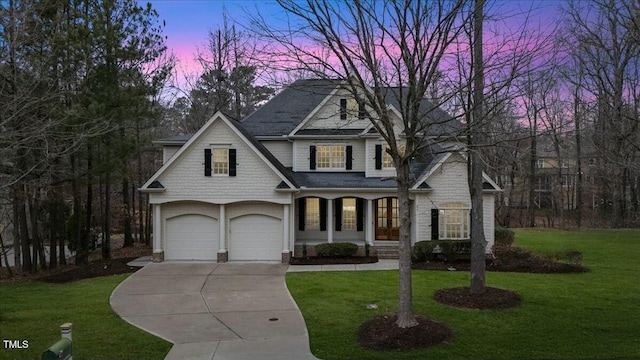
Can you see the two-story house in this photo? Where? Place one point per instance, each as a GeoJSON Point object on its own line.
{"type": "Point", "coordinates": [306, 168]}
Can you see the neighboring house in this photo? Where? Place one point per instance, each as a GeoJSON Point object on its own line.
{"type": "Point", "coordinates": [304, 169]}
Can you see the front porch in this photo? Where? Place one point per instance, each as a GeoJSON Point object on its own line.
{"type": "Point", "coordinates": [371, 222]}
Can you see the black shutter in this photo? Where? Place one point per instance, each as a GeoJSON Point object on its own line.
{"type": "Point", "coordinates": [301, 213]}
{"type": "Point", "coordinates": [359, 214]}
{"type": "Point", "coordinates": [343, 109]}
{"type": "Point", "coordinates": [435, 228]}
{"type": "Point", "coordinates": [378, 157]}
{"type": "Point", "coordinates": [323, 214]}
{"type": "Point", "coordinates": [312, 157]}
{"type": "Point", "coordinates": [232, 162]}
{"type": "Point", "coordinates": [338, 214]}
{"type": "Point", "coordinates": [349, 155]}
{"type": "Point", "coordinates": [207, 162]}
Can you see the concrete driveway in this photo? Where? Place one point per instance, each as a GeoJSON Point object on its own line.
{"type": "Point", "coordinates": [216, 311]}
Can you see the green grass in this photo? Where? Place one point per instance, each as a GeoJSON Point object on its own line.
{"type": "Point", "coordinates": [594, 315]}
{"type": "Point", "coordinates": [35, 310]}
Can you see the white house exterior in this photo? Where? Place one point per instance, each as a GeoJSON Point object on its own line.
{"type": "Point", "coordinates": [306, 168]}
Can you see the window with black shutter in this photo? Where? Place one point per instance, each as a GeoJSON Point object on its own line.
{"type": "Point", "coordinates": [207, 162]}
{"type": "Point", "coordinates": [312, 157]}
{"type": "Point", "coordinates": [435, 220]}
{"type": "Point", "coordinates": [378, 157]}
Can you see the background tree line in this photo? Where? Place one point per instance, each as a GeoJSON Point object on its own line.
{"type": "Point", "coordinates": [83, 89]}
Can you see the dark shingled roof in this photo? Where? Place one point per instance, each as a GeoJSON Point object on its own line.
{"type": "Point", "coordinates": [272, 159]}
{"type": "Point", "coordinates": [280, 115]}
{"type": "Point", "coordinates": [352, 180]}
{"type": "Point", "coordinates": [321, 132]}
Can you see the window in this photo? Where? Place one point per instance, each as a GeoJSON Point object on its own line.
{"type": "Point", "coordinates": [349, 214]}
{"type": "Point", "coordinates": [540, 163]}
{"type": "Point", "coordinates": [330, 156]}
{"type": "Point", "coordinates": [312, 214]}
{"type": "Point", "coordinates": [564, 163]}
{"type": "Point", "coordinates": [343, 109]}
{"type": "Point", "coordinates": [221, 161]}
{"type": "Point", "coordinates": [592, 162]}
{"type": "Point", "coordinates": [387, 160]}
{"type": "Point", "coordinates": [454, 221]}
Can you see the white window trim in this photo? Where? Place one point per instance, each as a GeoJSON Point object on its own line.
{"type": "Point", "coordinates": [331, 167]}
{"type": "Point", "coordinates": [386, 155]}
{"type": "Point", "coordinates": [349, 223]}
{"type": "Point", "coordinates": [213, 162]}
{"type": "Point", "coordinates": [465, 224]}
{"type": "Point", "coordinates": [312, 219]}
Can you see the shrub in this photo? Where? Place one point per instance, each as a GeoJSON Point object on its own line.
{"type": "Point", "coordinates": [336, 250]}
{"type": "Point", "coordinates": [504, 237]}
{"type": "Point", "coordinates": [424, 251]}
{"type": "Point", "coordinates": [450, 250]}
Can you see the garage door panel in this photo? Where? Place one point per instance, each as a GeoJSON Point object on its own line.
{"type": "Point", "coordinates": [255, 237]}
{"type": "Point", "coordinates": [192, 237]}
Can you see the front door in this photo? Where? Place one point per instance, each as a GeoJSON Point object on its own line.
{"type": "Point", "coordinates": [387, 224]}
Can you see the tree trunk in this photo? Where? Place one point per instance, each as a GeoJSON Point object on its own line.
{"type": "Point", "coordinates": [3, 249]}
{"type": "Point", "coordinates": [106, 239]}
{"type": "Point", "coordinates": [406, 318]}
{"type": "Point", "coordinates": [24, 234]}
{"type": "Point", "coordinates": [478, 242]}
{"type": "Point", "coordinates": [126, 212]}
{"type": "Point", "coordinates": [532, 171]}
{"type": "Point", "coordinates": [577, 121]}
{"type": "Point", "coordinates": [82, 253]}
{"type": "Point", "coordinates": [88, 221]}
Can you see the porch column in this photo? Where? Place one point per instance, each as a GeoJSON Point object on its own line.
{"type": "Point", "coordinates": [158, 252]}
{"type": "Point", "coordinates": [223, 255]}
{"type": "Point", "coordinates": [222, 228]}
{"type": "Point", "coordinates": [286, 253]}
{"type": "Point", "coordinates": [329, 220]}
{"type": "Point", "coordinates": [369, 224]}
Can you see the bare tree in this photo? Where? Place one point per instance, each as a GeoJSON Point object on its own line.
{"type": "Point", "coordinates": [606, 46]}
{"type": "Point", "coordinates": [374, 46]}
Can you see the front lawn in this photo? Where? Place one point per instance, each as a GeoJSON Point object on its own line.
{"type": "Point", "coordinates": [593, 315]}
{"type": "Point", "coordinates": [34, 310]}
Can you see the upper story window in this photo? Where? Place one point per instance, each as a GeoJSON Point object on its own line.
{"type": "Point", "coordinates": [387, 160]}
{"type": "Point", "coordinates": [330, 156]}
{"type": "Point", "coordinates": [540, 163]}
{"type": "Point", "coordinates": [343, 109]}
{"type": "Point", "coordinates": [564, 163]}
{"type": "Point", "coordinates": [220, 161]}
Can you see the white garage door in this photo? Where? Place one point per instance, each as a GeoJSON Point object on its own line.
{"type": "Point", "coordinates": [192, 237]}
{"type": "Point", "coordinates": [255, 237]}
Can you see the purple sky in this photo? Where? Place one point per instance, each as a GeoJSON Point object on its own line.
{"type": "Point", "coordinates": [189, 21]}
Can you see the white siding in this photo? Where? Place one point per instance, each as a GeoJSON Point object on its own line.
{"type": "Point", "coordinates": [489, 202]}
{"type": "Point", "coordinates": [371, 160]}
{"type": "Point", "coordinates": [328, 116]}
{"type": "Point", "coordinates": [301, 151]}
{"type": "Point", "coordinates": [281, 149]}
{"type": "Point", "coordinates": [185, 179]}
{"type": "Point", "coordinates": [449, 184]}
{"type": "Point", "coordinates": [168, 151]}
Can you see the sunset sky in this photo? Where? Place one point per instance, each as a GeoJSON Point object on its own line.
{"type": "Point", "coordinates": [189, 21]}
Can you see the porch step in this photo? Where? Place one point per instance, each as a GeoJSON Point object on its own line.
{"type": "Point", "coordinates": [387, 252]}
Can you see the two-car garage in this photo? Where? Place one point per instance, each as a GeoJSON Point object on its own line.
{"type": "Point", "coordinates": [253, 231]}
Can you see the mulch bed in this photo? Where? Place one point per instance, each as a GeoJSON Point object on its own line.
{"type": "Point", "coordinates": [509, 260]}
{"type": "Point", "coordinates": [120, 256]}
{"type": "Point", "coordinates": [491, 299]}
{"type": "Point", "coordinates": [91, 270]}
{"type": "Point", "coordinates": [333, 260]}
{"type": "Point", "coordinates": [381, 333]}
